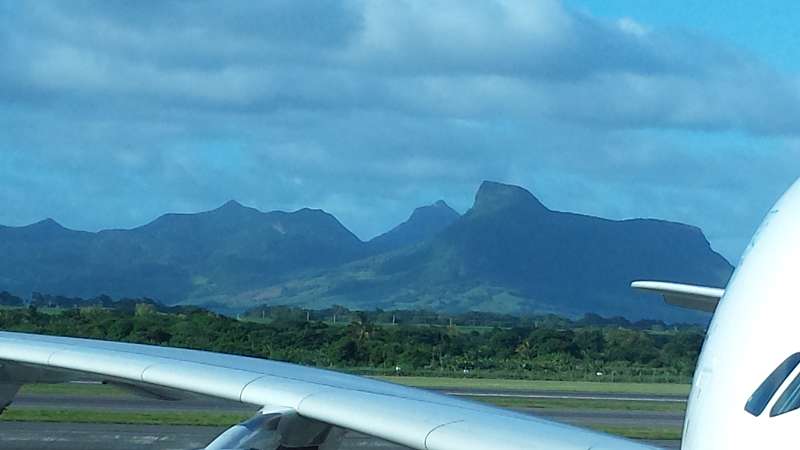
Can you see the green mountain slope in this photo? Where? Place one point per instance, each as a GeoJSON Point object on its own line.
{"type": "Point", "coordinates": [510, 253]}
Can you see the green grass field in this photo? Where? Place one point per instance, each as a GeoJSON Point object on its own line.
{"type": "Point", "coordinates": [196, 418]}
{"type": "Point", "coordinates": [428, 383]}
{"type": "Point", "coordinates": [647, 433]}
{"type": "Point", "coordinates": [534, 385]}
{"type": "Point", "coordinates": [75, 389]}
{"type": "Point", "coordinates": [580, 404]}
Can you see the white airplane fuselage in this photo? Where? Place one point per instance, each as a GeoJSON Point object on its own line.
{"type": "Point", "coordinates": [755, 328]}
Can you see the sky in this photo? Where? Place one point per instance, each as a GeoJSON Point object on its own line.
{"type": "Point", "coordinates": [116, 112]}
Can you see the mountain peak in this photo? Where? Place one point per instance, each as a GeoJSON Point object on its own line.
{"type": "Point", "coordinates": [437, 209]}
{"type": "Point", "coordinates": [233, 208]}
{"type": "Point", "coordinates": [231, 205]}
{"type": "Point", "coordinates": [47, 224]}
{"type": "Point", "coordinates": [492, 195]}
{"type": "Point", "coordinates": [424, 223]}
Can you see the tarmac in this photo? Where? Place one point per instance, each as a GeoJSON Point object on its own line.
{"type": "Point", "coordinates": [69, 436]}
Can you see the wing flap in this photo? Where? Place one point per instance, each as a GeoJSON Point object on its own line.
{"type": "Point", "coordinates": [699, 298]}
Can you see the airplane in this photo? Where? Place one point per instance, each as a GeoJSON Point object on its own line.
{"type": "Point", "coordinates": [745, 391]}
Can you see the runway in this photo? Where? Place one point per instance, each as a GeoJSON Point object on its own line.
{"type": "Point", "coordinates": [67, 436]}
{"type": "Point", "coordinates": [61, 436]}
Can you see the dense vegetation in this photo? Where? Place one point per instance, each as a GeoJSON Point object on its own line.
{"type": "Point", "coordinates": [543, 348]}
{"type": "Point", "coordinates": [341, 314]}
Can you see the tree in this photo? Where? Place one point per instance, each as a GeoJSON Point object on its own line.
{"type": "Point", "coordinates": [590, 343]}
{"type": "Point", "coordinates": [344, 350]}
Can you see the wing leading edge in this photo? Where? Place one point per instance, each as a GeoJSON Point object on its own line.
{"type": "Point", "coordinates": [699, 298]}
{"type": "Point", "coordinates": [418, 419]}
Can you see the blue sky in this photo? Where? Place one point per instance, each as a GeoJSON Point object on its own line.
{"type": "Point", "coordinates": [116, 112]}
{"type": "Point", "coordinates": [768, 30]}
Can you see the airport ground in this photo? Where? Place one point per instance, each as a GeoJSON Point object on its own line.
{"type": "Point", "coordinates": [93, 417]}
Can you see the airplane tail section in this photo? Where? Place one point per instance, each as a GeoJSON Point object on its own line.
{"type": "Point", "coordinates": [699, 298]}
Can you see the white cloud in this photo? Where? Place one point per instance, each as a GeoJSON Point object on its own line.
{"type": "Point", "coordinates": [631, 26]}
{"type": "Point", "coordinates": [443, 58]}
{"type": "Point", "coordinates": [374, 106]}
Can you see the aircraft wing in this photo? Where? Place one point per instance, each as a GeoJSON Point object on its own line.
{"type": "Point", "coordinates": [315, 398]}
{"type": "Point", "coordinates": [699, 298]}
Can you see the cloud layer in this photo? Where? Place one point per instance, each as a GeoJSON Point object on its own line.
{"type": "Point", "coordinates": [118, 111]}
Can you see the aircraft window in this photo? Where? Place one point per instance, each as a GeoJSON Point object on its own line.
{"type": "Point", "coordinates": [789, 400]}
{"type": "Point", "coordinates": [761, 397]}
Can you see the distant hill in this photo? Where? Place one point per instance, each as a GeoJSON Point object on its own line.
{"type": "Point", "coordinates": [511, 254]}
{"type": "Point", "coordinates": [508, 254]}
{"type": "Point", "coordinates": [175, 257]}
{"type": "Point", "coordinates": [425, 222]}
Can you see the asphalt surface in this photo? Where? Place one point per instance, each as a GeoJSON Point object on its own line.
{"type": "Point", "coordinates": [58, 436]}
{"type": "Point", "coordinates": [67, 436]}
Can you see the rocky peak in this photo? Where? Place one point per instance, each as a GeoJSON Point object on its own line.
{"type": "Point", "coordinates": [492, 196]}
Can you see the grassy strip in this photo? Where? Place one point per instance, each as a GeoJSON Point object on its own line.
{"type": "Point", "coordinates": [537, 385]}
{"type": "Point", "coordinates": [75, 389]}
{"type": "Point", "coordinates": [580, 404]}
{"type": "Point", "coordinates": [644, 433]}
{"type": "Point", "coordinates": [124, 417]}
{"type": "Point", "coordinates": [423, 382]}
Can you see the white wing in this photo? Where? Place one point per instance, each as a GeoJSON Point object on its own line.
{"type": "Point", "coordinates": [699, 298]}
{"type": "Point", "coordinates": [411, 417]}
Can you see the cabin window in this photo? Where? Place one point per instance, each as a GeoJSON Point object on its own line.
{"type": "Point", "coordinates": [789, 400]}
{"type": "Point", "coordinates": [761, 397]}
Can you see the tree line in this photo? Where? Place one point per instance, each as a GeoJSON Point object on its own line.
{"type": "Point", "coordinates": [543, 349]}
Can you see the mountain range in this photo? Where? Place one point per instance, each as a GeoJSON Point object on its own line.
{"type": "Point", "coordinates": [509, 253]}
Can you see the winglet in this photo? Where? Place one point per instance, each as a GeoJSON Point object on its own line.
{"type": "Point", "coordinates": [699, 298]}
